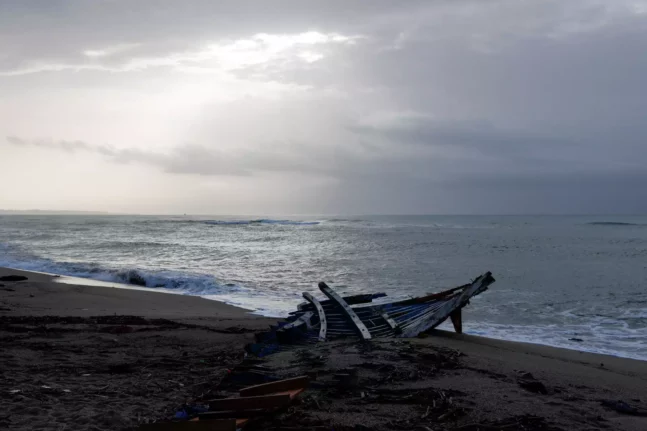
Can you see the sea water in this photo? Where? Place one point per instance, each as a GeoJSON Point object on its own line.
{"type": "Point", "coordinates": [559, 279]}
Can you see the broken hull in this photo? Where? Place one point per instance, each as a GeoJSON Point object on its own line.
{"type": "Point", "coordinates": [338, 317]}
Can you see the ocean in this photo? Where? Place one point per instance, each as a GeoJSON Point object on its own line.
{"type": "Point", "coordinates": [578, 282]}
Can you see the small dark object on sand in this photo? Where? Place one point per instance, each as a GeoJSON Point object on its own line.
{"type": "Point", "coordinates": [533, 386]}
{"type": "Point", "coordinates": [13, 278]}
{"type": "Point", "coordinates": [622, 407]}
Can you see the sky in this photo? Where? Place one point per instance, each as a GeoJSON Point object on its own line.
{"type": "Point", "coordinates": [324, 107]}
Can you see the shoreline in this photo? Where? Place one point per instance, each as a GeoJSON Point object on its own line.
{"type": "Point", "coordinates": [90, 282]}
{"type": "Point", "coordinates": [112, 358]}
{"type": "Point", "coordinates": [96, 296]}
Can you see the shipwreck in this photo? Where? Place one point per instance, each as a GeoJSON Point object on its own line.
{"type": "Point", "coordinates": [357, 316]}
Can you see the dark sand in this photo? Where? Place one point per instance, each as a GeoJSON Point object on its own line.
{"type": "Point", "coordinates": [64, 368]}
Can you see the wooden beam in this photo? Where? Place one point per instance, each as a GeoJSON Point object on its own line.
{"type": "Point", "coordinates": [304, 319]}
{"type": "Point", "coordinates": [209, 425]}
{"type": "Point", "coordinates": [392, 323]}
{"type": "Point", "coordinates": [300, 382]}
{"type": "Point", "coordinates": [457, 320]}
{"type": "Point", "coordinates": [348, 311]}
{"type": "Point", "coordinates": [452, 304]}
{"type": "Point", "coordinates": [247, 403]}
{"type": "Point", "coordinates": [323, 324]}
{"type": "Point", "coordinates": [350, 300]}
{"type": "Point", "coordinates": [228, 414]}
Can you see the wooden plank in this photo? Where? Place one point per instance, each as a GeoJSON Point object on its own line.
{"type": "Point", "coordinates": [229, 414]}
{"type": "Point", "coordinates": [300, 382]}
{"type": "Point", "coordinates": [439, 315]}
{"type": "Point", "coordinates": [392, 323]}
{"type": "Point", "coordinates": [457, 320]}
{"type": "Point", "coordinates": [350, 300]}
{"type": "Point", "coordinates": [210, 425]}
{"type": "Point", "coordinates": [247, 403]}
{"type": "Point", "coordinates": [304, 319]}
{"type": "Point", "coordinates": [360, 327]}
{"type": "Point", "coordinates": [239, 422]}
{"type": "Point", "coordinates": [323, 324]}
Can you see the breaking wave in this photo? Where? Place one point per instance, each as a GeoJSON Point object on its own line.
{"type": "Point", "coordinates": [255, 222]}
{"type": "Point", "coordinates": [613, 223]}
{"type": "Point", "coordinates": [193, 284]}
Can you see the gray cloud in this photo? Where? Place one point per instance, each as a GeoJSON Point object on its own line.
{"type": "Point", "coordinates": [199, 160]}
{"type": "Point", "coordinates": [442, 106]}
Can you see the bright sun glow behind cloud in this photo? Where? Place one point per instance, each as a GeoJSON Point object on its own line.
{"type": "Point", "coordinates": [223, 55]}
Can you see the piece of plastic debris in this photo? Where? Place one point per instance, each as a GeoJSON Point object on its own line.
{"type": "Point", "coordinates": [189, 411]}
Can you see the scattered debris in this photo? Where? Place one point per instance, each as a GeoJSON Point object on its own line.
{"type": "Point", "coordinates": [533, 386]}
{"type": "Point", "coordinates": [622, 407]}
{"type": "Point", "coordinates": [530, 383]}
{"type": "Point", "coordinates": [233, 413]}
{"type": "Point", "coordinates": [525, 422]}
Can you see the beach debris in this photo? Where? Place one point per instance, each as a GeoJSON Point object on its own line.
{"type": "Point", "coordinates": [524, 422]}
{"type": "Point", "coordinates": [189, 411]}
{"type": "Point", "coordinates": [232, 413]}
{"type": "Point", "coordinates": [13, 278]}
{"type": "Point", "coordinates": [532, 385]}
{"type": "Point", "coordinates": [357, 316]}
{"type": "Point", "coordinates": [623, 407]}
{"type": "Point", "coordinates": [346, 379]}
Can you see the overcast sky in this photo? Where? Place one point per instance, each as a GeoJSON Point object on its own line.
{"type": "Point", "coordinates": [328, 107]}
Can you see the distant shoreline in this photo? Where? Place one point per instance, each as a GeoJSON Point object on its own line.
{"type": "Point", "coordinates": [48, 212]}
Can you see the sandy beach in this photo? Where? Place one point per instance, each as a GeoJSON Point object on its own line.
{"type": "Point", "coordinates": [100, 358]}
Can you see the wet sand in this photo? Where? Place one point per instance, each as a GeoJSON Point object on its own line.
{"type": "Point", "coordinates": [102, 358]}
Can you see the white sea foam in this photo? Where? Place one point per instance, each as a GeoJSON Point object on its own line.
{"type": "Point", "coordinates": [595, 339]}
{"type": "Point", "coordinates": [258, 222]}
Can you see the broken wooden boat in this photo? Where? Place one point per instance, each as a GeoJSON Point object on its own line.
{"type": "Point", "coordinates": [357, 316]}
